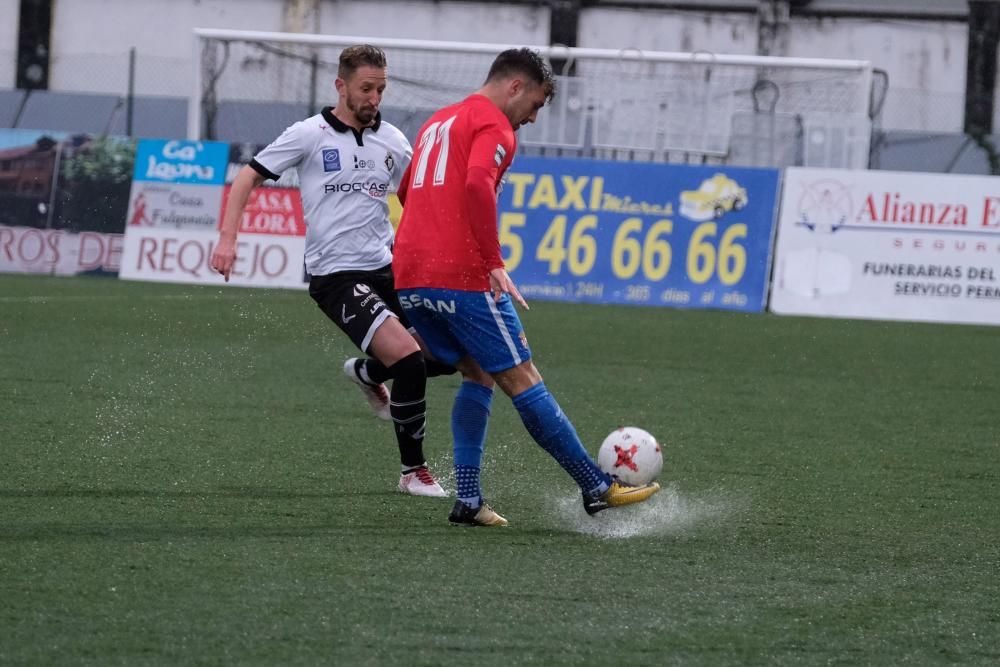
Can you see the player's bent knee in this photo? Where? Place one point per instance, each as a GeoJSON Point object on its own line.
{"type": "Point", "coordinates": [518, 379]}
{"type": "Point", "coordinates": [392, 343]}
{"type": "Point", "coordinates": [472, 372]}
{"type": "Point", "coordinates": [410, 366]}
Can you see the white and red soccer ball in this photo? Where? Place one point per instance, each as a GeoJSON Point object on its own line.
{"type": "Point", "coordinates": [632, 455]}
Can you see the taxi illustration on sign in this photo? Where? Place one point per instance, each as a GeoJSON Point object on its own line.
{"type": "Point", "coordinates": [717, 196]}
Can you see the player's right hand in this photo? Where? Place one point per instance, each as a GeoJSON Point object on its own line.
{"type": "Point", "coordinates": [223, 258]}
{"type": "Point", "coordinates": [500, 284]}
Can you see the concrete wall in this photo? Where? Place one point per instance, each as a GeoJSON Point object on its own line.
{"type": "Point", "coordinates": [925, 60]}
{"type": "Point", "coordinates": [91, 39]}
{"type": "Point", "coordinates": [429, 19]}
{"type": "Point", "coordinates": [90, 52]}
{"type": "Point", "coordinates": [660, 30]}
{"type": "Point", "coordinates": [9, 10]}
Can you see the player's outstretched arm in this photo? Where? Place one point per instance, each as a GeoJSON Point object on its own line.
{"type": "Point", "coordinates": [224, 255]}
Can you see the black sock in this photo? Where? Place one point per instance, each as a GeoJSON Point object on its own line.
{"type": "Point", "coordinates": [373, 368]}
{"type": "Point", "coordinates": [378, 373]}
{"type": "Point", "coordinates": [408, 407]}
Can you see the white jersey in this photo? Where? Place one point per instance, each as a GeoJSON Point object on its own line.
{"type": "Point", "coordinates": [345, 177]}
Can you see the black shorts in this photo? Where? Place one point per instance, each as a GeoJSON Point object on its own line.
{"type": "Point", "coordinates": [358, 302]}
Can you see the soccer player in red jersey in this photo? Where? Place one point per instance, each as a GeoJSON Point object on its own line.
{"type": "Point", "coordinates": [457, 294]}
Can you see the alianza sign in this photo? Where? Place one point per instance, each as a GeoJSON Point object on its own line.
{"type": "Point", "coordinates": [888, 245]}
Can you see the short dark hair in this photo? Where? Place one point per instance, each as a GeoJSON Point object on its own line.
{"type": "Point", "coordinates": [354, 57]}
{"type": "Point", "coordinates": [526, 62]}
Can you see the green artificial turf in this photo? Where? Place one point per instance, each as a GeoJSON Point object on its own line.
{"type": "Point", "coordinates": [187, 479]}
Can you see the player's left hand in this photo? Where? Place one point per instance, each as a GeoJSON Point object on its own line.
{"type": "Point", "coordinates": [500, 284]}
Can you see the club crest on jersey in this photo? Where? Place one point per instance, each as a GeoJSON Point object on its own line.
{"type": "Point", "coordinates": [331, 159]}
{"type": "Point", "coordinates": [390, 162]}
{"type": "Point", "coordinates": [360, 289]}
{"type": "Point", "coordinates": [499, 155]}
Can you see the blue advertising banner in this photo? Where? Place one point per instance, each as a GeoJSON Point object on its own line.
{"type": "Point", "coordinates": [168, 161]}
{"type": "Point", "coordinates": [177, 185]}
{"type": "Point", "coordinates": [636, 233]}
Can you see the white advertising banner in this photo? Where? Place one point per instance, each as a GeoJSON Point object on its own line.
{"type": "Point", "coordinates": [58, 252]}
{"type": "Point", "coordinates": [185, 256]}
{"type": "Point", "coordinates": [173, 205]}
{"type": "Point", "coordinates": [889, 246]}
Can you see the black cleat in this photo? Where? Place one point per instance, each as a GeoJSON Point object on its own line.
{"type": "Point", "coordinates": [475, 516]}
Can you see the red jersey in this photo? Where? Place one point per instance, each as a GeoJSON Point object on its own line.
{"type": "Point", "coordinates": [447, 237]}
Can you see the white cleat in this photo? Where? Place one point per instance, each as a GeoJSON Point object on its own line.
{"type": "Point", "coordinates": [419, 482]}
{"type": "Point", "coordinates": [376, 394]}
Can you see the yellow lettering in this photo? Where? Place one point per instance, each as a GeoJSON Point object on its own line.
{"type": "Point", "coordinates": [596, 192]}
{"type": "Point", "coordinates": [574, 193]}
{"type": "Point", "coordinates": [520, 183]}
{"type": "Point", "coordinates": [544, 193]}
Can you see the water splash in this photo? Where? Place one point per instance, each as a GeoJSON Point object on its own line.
{"type": "Point", "coordinates": [668, 513]}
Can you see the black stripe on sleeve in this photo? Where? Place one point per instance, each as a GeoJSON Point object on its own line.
{"type": "Point", "coordinates": [263, 171]}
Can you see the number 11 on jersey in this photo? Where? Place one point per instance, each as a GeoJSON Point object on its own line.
{"type": "Point", "coordinates": [436, 133]}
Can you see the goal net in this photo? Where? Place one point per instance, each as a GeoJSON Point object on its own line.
{"type": "Point", "coordinates": [629, 104]}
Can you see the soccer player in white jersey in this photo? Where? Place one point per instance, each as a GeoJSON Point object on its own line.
{"type": "Point", "coordinates": [349, 160]}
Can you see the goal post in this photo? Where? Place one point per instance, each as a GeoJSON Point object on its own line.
{"type": "Point", "coordinates": [614, 104]}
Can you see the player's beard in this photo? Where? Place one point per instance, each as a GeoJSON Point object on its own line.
{"type": "Point", "coordinates": [364, 115]}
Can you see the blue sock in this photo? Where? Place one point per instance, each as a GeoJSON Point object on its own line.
{"type": "Point", "coordinates": [470, 415]}
{"type": "Point", "coordinates": [551, 429]}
